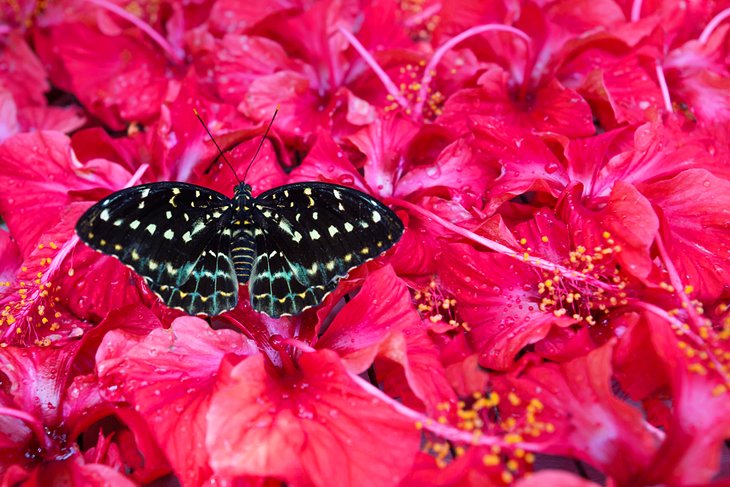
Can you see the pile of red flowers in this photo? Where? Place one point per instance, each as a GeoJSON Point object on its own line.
{"type": "Point", "coordinates": [556, 312]}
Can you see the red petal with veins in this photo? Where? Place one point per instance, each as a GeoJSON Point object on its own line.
{"type": "Point", "coordinates": [628, 218]}
{"type": "Point", "coordinates": [10, 259]}
{"type": "Point", "coordinates": [384, 143]}
{"type": "Point", "coordinates": [632, 90]}
{"type": "Point", "coordinates": [235, 16]}
{"type": "Point", "coordinates": [75, 471]}
{"type": "Point", "coordinates": [380, 321]}
{"type": "Point", "coordinates": [328, 162]}
{"type": "Point", "coordinates": [694, 214]}
{"type": "Point", "coordinates": [662, 150]}
{"type": "Point", "coordinates": [39, 171]}
{"type": "Point", "coordinates": [590, 423]}
{"type": "Point", "coordinates": [636, 365]}
{"type": "Point", "coordinates": [234, 62]}
{"type": "Point", "coordinates": [700, 419]}
{"type": "Point", "coordinates": [497, 297]}
{"type": "Point", "coordinates": [21, 72]}
{"type": "Point", "coordinates": [519, 161]}
{"type": "Point", "coordinates": [120, 79]}
{"type": "Point", "coordinates": [170, 377]}
{"type": "Point", "coordinates": [551, 108]}
{"type": "Point", "coordinates": [301, 109]}
{"type": "Point", "coordinates": [61, 119]}
{"type": "Point", "coordinates": [263, 423]}
{"type": "Point", "coordinates": [457, 168]}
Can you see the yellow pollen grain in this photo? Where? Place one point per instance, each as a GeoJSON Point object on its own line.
{"type": "Point", "coordinates": [523, 241]}
{"type": "Point", "coordinates": [490, 460]}
{"type": "Point", "coordinates": [71, 272]}
{"type": "Point", "coordinates": [513, 399]}
{"type": "Point", "coordinates": [513, 438]}
{"type": "Point", "coordinates": [507, 477]}
{"type": "Point", "coordinates": [544, 238]}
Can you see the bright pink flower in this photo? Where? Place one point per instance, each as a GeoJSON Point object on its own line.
{"type": "Point", "coordinates": [119, 78]}
{"type": "Point", "coordinates": [576, 413]}
{"type": "Point", "coordinates": [265, 423]}
{"type": "Point", "coordinates": [509, 303]}
{"type": "Point", "coordinates": [551, 108]}
{"type": "Point", "coordinates": [45, 410]}
{"type": "Point", "coordinates": [184, 362]}
{"type": "Point", "coordinates": [693, 208]}
{"type": "Point", "coordinates": [690, 453]}
{"type": "Point", "coordinates": [380, 323]}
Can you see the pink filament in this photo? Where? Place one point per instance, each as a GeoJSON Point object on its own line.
{"type": "Point", "coordinates": [443, 49]}
{"type": "Point", "coordinates": [382, 75]}
{"type": "Point", "coordinates": [172, 52]}
{"type": "Point", "coordinates": [663, 87]}
{"type": "Point", "coordinates": [712, 25]}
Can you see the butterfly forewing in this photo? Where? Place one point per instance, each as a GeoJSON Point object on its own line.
{"type": "Point", "coordinates": [175, 235]}
{"type": "Point", "coordinates": [310, 235]}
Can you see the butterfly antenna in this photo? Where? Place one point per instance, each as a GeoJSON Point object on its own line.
{"type": "Point", "coordinates": [262, 142]}
{"type": "Point", "coordinates": [216, 144]}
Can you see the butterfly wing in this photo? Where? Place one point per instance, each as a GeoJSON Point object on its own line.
{"type": "Point", "coordinates": [176, 236]}
{"type": "Point", "coordinates": [310, 235]}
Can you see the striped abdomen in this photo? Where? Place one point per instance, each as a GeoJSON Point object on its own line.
{"type": "Point", "coordinates": [243, 251]}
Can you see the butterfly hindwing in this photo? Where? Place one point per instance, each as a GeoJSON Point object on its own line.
{"type": "Point", "coordinates": [175, 235]}
{"type": "Point", "coordinates": [310, 235]}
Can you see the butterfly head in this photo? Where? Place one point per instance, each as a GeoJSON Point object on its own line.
{"type": "Point", "coordinates": [243, 197]}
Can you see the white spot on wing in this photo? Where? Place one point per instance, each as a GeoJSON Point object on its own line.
{"type": "Point", "coordinates": [104, 215]}
{"type": "Point", "coordinates": [376, 216]}
{"type": "Point", "coordinates": [151, 228]}
{"type": "Point", "coordinates": [333, 230]}
{"type": "Point", "coordinates": [169, 234]}
{"type": "Point", "coordinates": [314, 234]}
{"type": "Point", "coordinates": [134, 225]}
{"type": "Point", "coordinates": [348, 226]}
{"type": "Point", "coordinates": [337, 194]}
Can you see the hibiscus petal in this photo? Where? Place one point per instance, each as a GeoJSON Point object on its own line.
{"type": "Point", "coordinates": [384, 143]}
{"type": "Point", "coordinates": [119, 79]}
{"type": "Point", "coordinates": [261, 423]}
{"type": "Point", "coordinates": [694, 206]}
{"type": "Point", "coordinates": [381, 320]}
{"type": "Point", "coordinates": [39, 171]}
{"type": "Point", "coordinates": [589, 421]}
{"type": "Point", "coordinates": [498, 298]}
{"type": "Point", "coordinates": [169, 377]}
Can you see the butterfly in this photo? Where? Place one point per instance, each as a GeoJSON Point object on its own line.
{"type": "Point", "coordinates": [194, 246]}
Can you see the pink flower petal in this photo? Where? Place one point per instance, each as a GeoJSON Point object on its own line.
{"type": "Point", "coordinates": [262, 423]}
{"type": "Point", "coordinates": [170, 377]}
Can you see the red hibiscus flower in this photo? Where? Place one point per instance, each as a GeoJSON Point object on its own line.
{"type": "Point", "coordinates": [556, 312]}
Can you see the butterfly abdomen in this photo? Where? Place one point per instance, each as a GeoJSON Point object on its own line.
{"type": "Point", "coordinates": [243, 248]}
{"type": "Point", "coordinates": [243, 251]}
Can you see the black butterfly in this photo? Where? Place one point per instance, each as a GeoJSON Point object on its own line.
{"type": "Point", "coordinates": [194, 246]}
